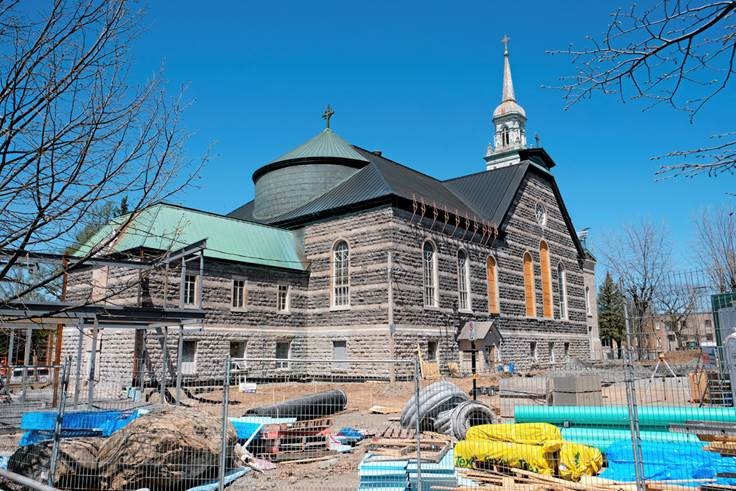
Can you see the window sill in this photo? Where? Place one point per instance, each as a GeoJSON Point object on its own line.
{"type": "Point", "coordinates": [465, 311]}
{"type": "Point", "coordinates": [337, 308]}
{"type": "Point", "coordinates": [191, 306]}
{"type": "Point", "coordinates": [238, 309]}
{"type": "Point", "coordinates": [431, 307]}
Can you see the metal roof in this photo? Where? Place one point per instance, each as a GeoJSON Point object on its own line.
{"type": "Point", "coordinates": [168, 227]}
{"type": "Point", "coordinates": [486, 195]}
{"type": "Point", "coordinates": [327, 144]}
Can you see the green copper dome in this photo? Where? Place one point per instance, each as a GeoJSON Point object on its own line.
{"type": "Point", "coordinates": [303, 174]}
{"type": "Point", "coordinates": [327, 144]}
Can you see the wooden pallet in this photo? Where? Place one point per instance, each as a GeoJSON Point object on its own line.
{"type": "Point", "coordinates": [299, 428]}
{"type": "Point", "coordinates": [396, 431]}
{"type": "Point", "coordinates": [293, 441]}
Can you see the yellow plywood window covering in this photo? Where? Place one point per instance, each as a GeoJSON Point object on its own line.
{"type": "Point", "coordinates": [546, 279]}
{"type": "Point", "coordinates": [493, 307]}
{"type": "Point", "coordinates": [531, 310]}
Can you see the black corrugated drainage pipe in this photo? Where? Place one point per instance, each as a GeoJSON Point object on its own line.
{"type": "Point", "coordinates": [309, 407]}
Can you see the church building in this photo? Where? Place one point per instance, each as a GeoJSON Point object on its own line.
{"type": "Point", "coordinates": [346, 254]}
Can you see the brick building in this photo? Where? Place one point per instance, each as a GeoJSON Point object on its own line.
{"type": "Point", "coordinates": [345, 254]}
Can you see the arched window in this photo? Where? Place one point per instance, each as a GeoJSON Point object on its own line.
{"type": "Point", "coordinates": [546, 280]}
{"type": "Point", "coordinates": [463, 280]}
{"type": "Point", "coordinates": [429, 261]}
{"type": "Point", "coordinates": [505, 137]}
{"type": "Point", "coordinates": [492, 279]}
{"type": "Point", "coordinates": [562, 287]}
{"type": "Point", "coordinates": [341, 274]}
{"type": "Point", "coordinates": [531, 308]}
{"type": "Point", "coordinates": [587, 301]}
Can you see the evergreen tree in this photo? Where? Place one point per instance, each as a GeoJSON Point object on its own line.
{"type": "Point", "coordinates": [611, 319]}
{"type": "Point", "coordinates": [123, 208]}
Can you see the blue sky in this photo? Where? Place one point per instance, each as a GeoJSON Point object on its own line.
{"type": "Point", "coordinates": [419, 81]}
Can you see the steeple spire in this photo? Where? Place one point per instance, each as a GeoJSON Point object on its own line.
{"type": "Point", "coordinates": [508, 83]}
{"type": "Point", "coordinates": [509, 121]}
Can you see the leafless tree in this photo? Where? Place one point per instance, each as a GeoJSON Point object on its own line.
{"type": "Point", "coordinates": [675, 303]}
{"type": "Point", "coordinates": [74, 134]}
{"type": "Point", "coordinates": [639, 257]}
{"type": "Point", "coordinates": [675, 52]}
{"type": "Point", "coordinates": [716, 246]}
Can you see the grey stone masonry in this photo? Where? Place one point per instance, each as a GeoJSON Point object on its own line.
{"type": "Point", "coordinates": [313, 327]}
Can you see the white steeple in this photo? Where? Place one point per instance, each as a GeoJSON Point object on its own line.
{"type": "Point", "coordinates": [509, 120]}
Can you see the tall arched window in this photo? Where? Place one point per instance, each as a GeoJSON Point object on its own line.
{"type": "Point", "coordinates": [547, 309]}
{"type": "Point", "coordinates": [341, 274]}
{"type": "Point", "coordinates": [429, 261]}
{"type": "Point", "coordinates": [562, 287]}
{"type": "Point", "coordinates": [505, 138]}
{"type": "Point", "coordinates": [463, 280]}
{"type": "Point", "coordinates": [492, 279]}
{"type": "Point", "coordinates": [531, 308]}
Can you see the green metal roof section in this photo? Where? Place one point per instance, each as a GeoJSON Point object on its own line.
{"type": "Point", "coordinates": [170, 227]}
{"type": "Point", "coordinates": [327, 144]}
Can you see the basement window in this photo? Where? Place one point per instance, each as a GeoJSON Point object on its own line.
{"type": "Point", "coordinates": [340, 355]}
{"type": "Point", "coordinates": [432, 350]}
{"type": "Point", "coordinates": [283, 352]}
{"type": "Point", "coordinates": [237, 349]}
{"type": "Point", "coordinates": [189, 357]}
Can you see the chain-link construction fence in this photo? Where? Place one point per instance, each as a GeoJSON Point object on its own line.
{"type": "Point", "coordinates": [655, 413]}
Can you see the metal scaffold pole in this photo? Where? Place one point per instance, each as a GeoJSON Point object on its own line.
{"type": "Point", "coordinates": [633, 409]}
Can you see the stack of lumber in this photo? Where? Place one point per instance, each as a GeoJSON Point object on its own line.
{"type": "Point", "coordinates": [399, 443]}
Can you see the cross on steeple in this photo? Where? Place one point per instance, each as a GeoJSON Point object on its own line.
{"type": "Point", "coordinates": [505, 40]}
{"type": "Point", "coordinates": [327, 115]}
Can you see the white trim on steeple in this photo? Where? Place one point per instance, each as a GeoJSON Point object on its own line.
{"type": "Point", "coordinates": [509, 121]}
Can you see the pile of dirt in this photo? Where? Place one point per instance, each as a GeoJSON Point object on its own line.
{"type": "Point", "coordinates": [76, 467]}
{"type": "Point", "coordinates": [169, 450]}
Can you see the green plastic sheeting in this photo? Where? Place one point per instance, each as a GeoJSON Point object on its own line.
{"type": "Point", "coordinates": [659, 416]}
{"type": "Point", "coordinates": [602, 438]}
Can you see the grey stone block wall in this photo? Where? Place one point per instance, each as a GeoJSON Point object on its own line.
{"type": "Point", "coordinates": [312, 324]}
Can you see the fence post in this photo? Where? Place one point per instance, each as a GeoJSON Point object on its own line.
{"type": "Point", "coordinates": [633, 409]}
{"type": "Point", "coordinates": [223, 441]}
{"type": "Point", "coordinates": [59, 418]}
{"type": "Point", "coordinates": [417, 378]}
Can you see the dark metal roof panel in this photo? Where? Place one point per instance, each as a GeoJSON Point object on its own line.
{"type": "Point", "coordinates": [490, 191]}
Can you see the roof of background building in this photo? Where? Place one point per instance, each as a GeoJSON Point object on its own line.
{"type": "Point", "coordinates": [169, 227]}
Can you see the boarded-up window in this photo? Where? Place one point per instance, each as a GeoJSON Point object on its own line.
{"type": "Point", "coordinates": [340, 354]}
{"type": "Point", "coordinates": [562, 286]}
{"type": "Point", "coordinates": [546, 280]}
{"type": "Point", "coordinates": [492, 277]}
{"type": "Point", "coordinates": [531, 309]}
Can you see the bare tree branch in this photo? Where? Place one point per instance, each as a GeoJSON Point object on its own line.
{"type": "Point", "coordinates": [662, 54]}
{"type": "Point", "coordinates": [74, 134]}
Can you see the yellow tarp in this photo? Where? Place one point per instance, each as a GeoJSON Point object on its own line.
{"type": "Point", "coordinates": [527, 433]}
{"type": "Point", "coordinates": [536, 458]}
{"type": "Point", "coordinates": [529, 446]}
{"type": "Point", "coordinates": [578, 460]}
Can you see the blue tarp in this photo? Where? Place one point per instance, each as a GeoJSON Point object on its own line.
{"type": "Point", "coordinates": [39, 425]}
{"type": "Point", "coordinates": [667, 461]}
